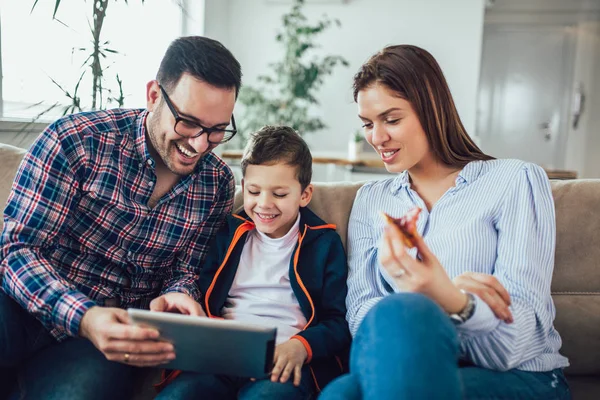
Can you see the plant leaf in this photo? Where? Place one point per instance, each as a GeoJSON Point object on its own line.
{"type": "Point", "coordinates": [56, 8]}
{"type": "Point", "coordinates": [33, 6]}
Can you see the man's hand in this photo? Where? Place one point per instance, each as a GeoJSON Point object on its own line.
{"type": "Point", "coordinates": [179, 303]}
{"type": "Point", "coordinates": [289, 358]}
{"type": "Point", "coordinates": [109, 330]}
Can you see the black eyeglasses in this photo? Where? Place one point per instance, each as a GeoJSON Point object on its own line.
{"type": "Point", "coordinates": [190, 129]}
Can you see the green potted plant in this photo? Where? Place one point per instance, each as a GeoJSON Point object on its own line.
{"type": "Point", "coordinates": [355, 145]}
{"type": "Point", "coordinates": [287, 93]}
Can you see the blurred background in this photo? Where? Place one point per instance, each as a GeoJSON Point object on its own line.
{"type": "Point", "coordinates": [525, 74]}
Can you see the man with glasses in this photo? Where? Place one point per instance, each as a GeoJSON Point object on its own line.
{"type": "Point", "coordinates": [110, 210]}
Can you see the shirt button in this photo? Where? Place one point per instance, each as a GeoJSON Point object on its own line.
{"type": "Point", "coordinates": [141, 165]}
{"type": "Point", "coordinates": [149, 162]}
{"type": "Point", "coordinates": [150, 183]}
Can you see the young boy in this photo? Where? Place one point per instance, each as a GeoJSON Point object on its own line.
{"type": "Point", "coordinates": [276, 264]}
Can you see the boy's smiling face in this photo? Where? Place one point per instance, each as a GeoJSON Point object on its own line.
{"type": "Point", "coordinates": [273, 196]}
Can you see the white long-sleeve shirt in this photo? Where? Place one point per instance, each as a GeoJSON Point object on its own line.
{"type": "Point", "coordinates": [261, 292]}
{"type": "Point", "coordinates": [499, 219]}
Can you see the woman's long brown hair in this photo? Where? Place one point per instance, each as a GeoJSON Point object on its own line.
{"type": "Point", "coordinates": [415, 76]}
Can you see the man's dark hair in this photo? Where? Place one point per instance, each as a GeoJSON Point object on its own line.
{"type": "Point", "coordinates": [203, 58]}
{"type": "Point", "coordinates": [273, 144]}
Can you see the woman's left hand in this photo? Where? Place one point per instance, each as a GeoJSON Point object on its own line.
{"type": "Point", "coordinates": [489, 289]}
{"type": "Point", "coordinates": [424, 275]}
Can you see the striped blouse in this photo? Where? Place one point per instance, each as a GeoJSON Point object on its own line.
{"type": "Point", "coordinates": [498, 219]}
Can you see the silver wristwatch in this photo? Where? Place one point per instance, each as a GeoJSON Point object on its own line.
{"type": "Point", "coordinates": [463, 316]}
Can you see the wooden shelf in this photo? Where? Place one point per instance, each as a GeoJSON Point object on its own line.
{"type": "Point", "coordinates": [334, 159]}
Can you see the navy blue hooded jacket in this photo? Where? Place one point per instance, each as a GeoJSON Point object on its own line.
{"type": "Point", "coordinates": [317, 272]}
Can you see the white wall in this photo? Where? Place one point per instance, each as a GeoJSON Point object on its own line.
{"type": "Point", "coordinates": [217, 20]}
{"type": "Point", "coordinates": [192, 18]}
{"type": "Point", "coordinates": [451, 30]}
{"type": "Point", "coordinates": [583, 142]}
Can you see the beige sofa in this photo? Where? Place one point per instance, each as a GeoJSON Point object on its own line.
{"type": "Point", "coordinates": [576, 283]}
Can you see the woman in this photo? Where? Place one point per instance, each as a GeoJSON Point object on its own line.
{"type": "Point", "coordinates": [487, 228]}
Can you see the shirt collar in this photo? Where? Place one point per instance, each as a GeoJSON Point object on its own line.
{"type": "Point", "coordinates": [141, 148]}
{"type": "Point", "coordinates": [468, 174]}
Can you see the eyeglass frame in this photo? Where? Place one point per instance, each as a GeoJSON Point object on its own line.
{"type": "Point", "coordinates": [203, 129]}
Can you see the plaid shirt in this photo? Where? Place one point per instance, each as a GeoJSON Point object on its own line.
{"type": "Point", "coordinates": [78, 231]}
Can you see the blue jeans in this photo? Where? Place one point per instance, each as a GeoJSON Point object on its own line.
{"type": "Point", "coordinates": [33, 365]}
{"type": "Point", "coordinates": [407, 348]}
{"type": "Point", "coordinates": [190, 385]}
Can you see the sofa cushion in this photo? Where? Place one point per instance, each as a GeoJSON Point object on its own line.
{"type": "Point", "coordinates": [576, 279]}
{"type": "Point", "coordinates": [577, 236]}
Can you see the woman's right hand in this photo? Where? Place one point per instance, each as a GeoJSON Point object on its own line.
{"type": "Point", "coordinates": [488, 289]}
{"type": "Point", "coordinates": [424, 275]}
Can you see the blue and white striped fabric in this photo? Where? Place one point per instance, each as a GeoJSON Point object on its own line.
{"type": "Point", "coordinates": [498, 219]}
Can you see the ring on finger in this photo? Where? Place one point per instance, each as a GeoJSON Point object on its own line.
{"type": "Point", "coordinates": [399, 273]}
{"type": "Point", "coordinates": [126, 357]}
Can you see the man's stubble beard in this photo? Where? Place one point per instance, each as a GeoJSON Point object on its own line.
{"type": "Point", "coordinates": [162, 149]}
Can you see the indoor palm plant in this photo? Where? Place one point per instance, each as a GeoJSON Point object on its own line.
{"type": "Point", "coordinates": [97, 56]}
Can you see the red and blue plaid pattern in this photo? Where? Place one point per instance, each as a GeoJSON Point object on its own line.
{"type": "Point", "coordinates": [78, 231]}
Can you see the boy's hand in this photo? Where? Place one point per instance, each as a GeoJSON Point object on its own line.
{"type": "Point", "coordinates": [289, 357]}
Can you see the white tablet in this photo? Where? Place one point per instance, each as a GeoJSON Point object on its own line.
{"type": "Point", "coordinates": [213, 346]}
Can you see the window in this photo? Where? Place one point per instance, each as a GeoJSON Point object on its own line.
{"type": "Point", "coordinates": [37, 50]}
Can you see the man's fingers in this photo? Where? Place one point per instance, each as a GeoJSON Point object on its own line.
{"type": "Point", "coordinates": [140, 360]}
{"type": "Point", "coordinates": [178, 302]}
{"type": "Point", "coordinates": [158, 304]}
{"type": "Point", "coordinates": [131, 332]}
{"type": "Point", "coordinates": [139, 347]}
{"type": "Point", "coordinates": [190, 307]}
{"type": "Point", "coordinates": [121, 315]}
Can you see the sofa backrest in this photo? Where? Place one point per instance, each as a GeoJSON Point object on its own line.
{"type": "Point", "coordinates": [10, 158]}
{"type": "Point", "coordinates": [576, 280]}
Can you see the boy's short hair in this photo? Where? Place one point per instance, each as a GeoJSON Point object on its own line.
{"type": "Point", "coordinates": [272, 144]}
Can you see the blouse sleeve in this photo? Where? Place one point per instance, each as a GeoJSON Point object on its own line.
{"type": "Point", "coordinates": [525, 261]}
{"type": "Point", "coordinates": [365, 286]}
